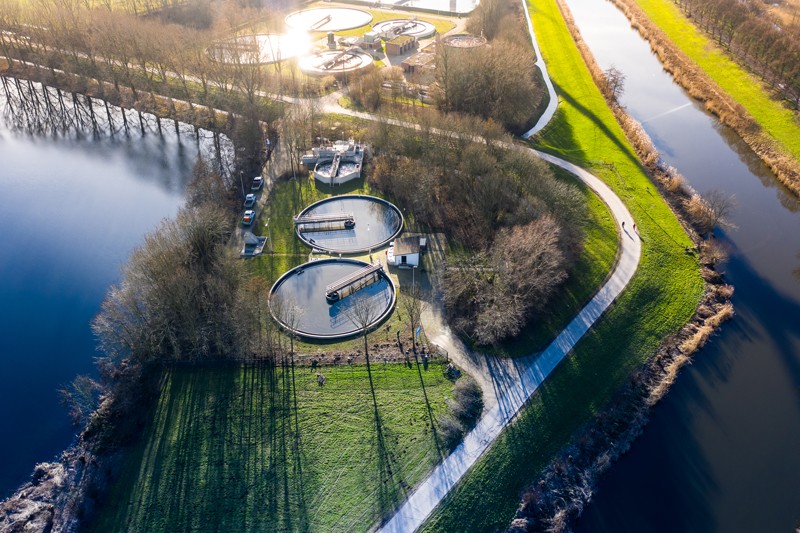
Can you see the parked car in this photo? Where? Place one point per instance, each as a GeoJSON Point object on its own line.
{"type": "Point", "coordinates": [249, 217]}
{"type": "Point", "coordinates": [258, 182]}
{"type": "Point", "coordinates": [250, 200]}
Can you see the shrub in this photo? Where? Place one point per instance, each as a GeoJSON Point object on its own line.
{"type": "Point", "coordinates": [467, 402]}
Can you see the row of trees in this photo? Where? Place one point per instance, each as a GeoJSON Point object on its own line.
{"type": "Point", "coordinates": [518, 228]}
{"type": "Point", "coordinates": [758, 41]}
{"type": "Point", "coordinates": [143, 53]}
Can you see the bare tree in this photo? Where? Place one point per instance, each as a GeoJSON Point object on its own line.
{"type": "Point", "coordinates": [412, 303]}
{"type": "Point", "coordinates": [614, 83]}
{"type": "Point", "coordinates": [362, 315]}
{"type": "Point", "coordinates": [290, 315]}
{"type": "Point", "coordinates": [711, 210]}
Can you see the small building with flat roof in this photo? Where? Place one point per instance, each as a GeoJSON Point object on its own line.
{"type": "Point", "coordinates": [404, 252]}
{"type": "Point", "coordinates": [402, 44]}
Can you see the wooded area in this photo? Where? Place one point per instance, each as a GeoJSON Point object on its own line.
{"type": "Point", "coordinates": [516, 229]}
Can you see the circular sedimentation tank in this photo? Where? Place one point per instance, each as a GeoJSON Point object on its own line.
{"type": "Point", "coordinates": [336, 62]}
{"type": "Point", "coordinates": [298, 300]}
{"type": "Point", "coordinates": [464, 41]}
{"type": "Point", "coordinates": [328, 19]}
{"type": "Point", "coordinates": [376, 223]}
{"type": "Point", "coordinates": [416, 28]}
{"type": "Point", "coordinates": [259, 49]}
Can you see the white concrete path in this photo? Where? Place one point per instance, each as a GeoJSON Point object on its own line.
{"type": "Point", "coordinates": [514, 382]}
{"type": "Point", "coordinates": [552, 104]}
{"type": "Point", "coordinates": [513, 389]}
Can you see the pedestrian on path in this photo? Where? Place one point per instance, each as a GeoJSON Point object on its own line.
{"type": "Point", "coordinates": [623, 224]}
{"type": "Point", "coordinates": [634, 226]}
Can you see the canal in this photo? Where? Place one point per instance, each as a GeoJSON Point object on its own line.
{"type": "Point", "coordinates": [75, 200]}
{"type": "Point", "coordinates": [722, 450]}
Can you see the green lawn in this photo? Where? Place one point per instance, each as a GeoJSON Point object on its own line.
{"type": "Point", "coordinates": [238, 448]}
{"type": "Point", "coordinates": [780, 122]}
{"type": "Point", "coordinates": [660, 299]}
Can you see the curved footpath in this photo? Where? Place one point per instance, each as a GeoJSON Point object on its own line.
{"type": "Point", "coordinates": [522, 377]}
{"type": "Point", "coordinates": [514, 382]}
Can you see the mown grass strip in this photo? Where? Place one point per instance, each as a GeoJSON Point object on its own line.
{"type": "Point", "coordinates": [254, 448]}
{"type": "Point", "coordinates": [659, 300]}
{"type": "Point", "coordinates": [747, 89]}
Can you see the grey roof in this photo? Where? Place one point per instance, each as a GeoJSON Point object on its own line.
{"type": "Point", "coordinates": [406, 245]}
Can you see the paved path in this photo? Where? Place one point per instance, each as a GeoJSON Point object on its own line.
{"type": "Point", "coordinates": [515, 381]}
{"type": "Point", "coordinates": [512, 382]}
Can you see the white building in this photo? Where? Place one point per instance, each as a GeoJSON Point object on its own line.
{"type": "Point", "coordinates": [404, 252]}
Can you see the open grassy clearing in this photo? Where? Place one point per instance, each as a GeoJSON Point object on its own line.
{"type": "Point", "coordinates": [661, 298]}
{"type": "Point", "coordinates": [781, 123]}
{"type": "Point", "coordinates": [238, 448]}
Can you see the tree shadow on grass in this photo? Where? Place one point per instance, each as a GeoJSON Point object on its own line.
{"type": "Point", "coordinates": [440, 450]}
{"type": "Point", "coordinates": [601, 126]}
{"type": "Point", "coordinates": [389, 479]}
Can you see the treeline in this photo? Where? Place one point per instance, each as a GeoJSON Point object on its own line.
{"type": "Point", "coordinates": [746, 29]}
{"type": "Point", "coordinates": [143, 54]}
{"type": "Point", "coordinates": [515, 227]}
{"type": "Point", "coordinates": [497, 81]}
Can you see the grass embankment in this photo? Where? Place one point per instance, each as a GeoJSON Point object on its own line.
{"type": "Point", "coordinates": [659, 300]}
{"type": "Point", "coordinates": [669, 31]}
{"type": "Point", "coordinates": [238, 448]}
{"type": "Point", "coordinates": [743, 86]}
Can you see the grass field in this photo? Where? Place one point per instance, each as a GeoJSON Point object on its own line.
{"type": "Point", "coordinates": [781, 123]}
{"type": "Point", "coordinates": [238, 448]}
{"type": "Point", "coordinates": [660, 299]}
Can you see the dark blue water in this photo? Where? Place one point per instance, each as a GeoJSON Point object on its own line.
{"type": "Point", "coordinates": [71, 211]}
{"type": "Point", "coordinates": [722, 450]}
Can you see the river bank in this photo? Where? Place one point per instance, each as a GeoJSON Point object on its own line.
{"type": "Point", "coordinates": [717, 101]}
{"type": "Point", "coordinates": [566, 485]}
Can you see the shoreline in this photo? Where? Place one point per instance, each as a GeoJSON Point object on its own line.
{"type": "Point", "coordinates": [565, 486]}
{"type": "Point", "coordinates": [699, 84]}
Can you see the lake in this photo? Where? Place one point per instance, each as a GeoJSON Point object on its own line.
{"type": "Point", "coordinates": [74, 203]}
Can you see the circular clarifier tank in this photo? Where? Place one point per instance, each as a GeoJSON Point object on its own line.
{"type": "Point", "coordinates": [328, 19]}
{"type": "Point", "coordinates": [259, 49]}
{"type": "Point", "coordinates": [335, 62]}
{"type": "Point", "coordinates": [416, 28]}
{"type": "Point", "coordinates": [376, 223]}
{"type": "Point", "coordinates": [298, 299]}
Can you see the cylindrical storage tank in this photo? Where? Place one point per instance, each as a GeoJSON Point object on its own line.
{"type": "Point", "coordinates": [462, 43]}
